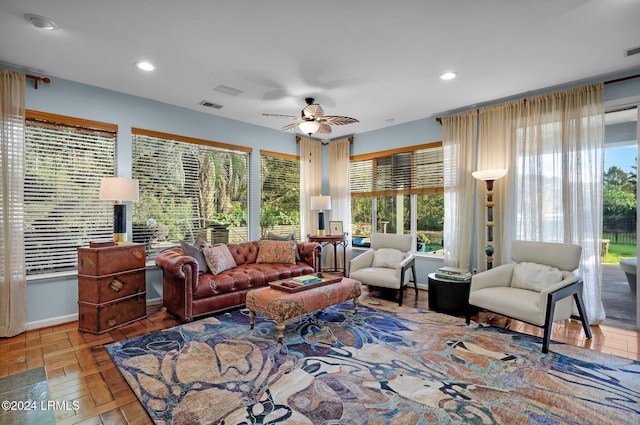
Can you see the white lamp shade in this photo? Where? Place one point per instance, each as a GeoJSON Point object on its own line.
{"type": "Point", "coordinates": [119, 189]}
{"type": "Point", "coordinates": [489, 174]}
{"type": "Point", "coordinates": [309, 127]}
{"type": "Point", "coordinates": [320, 203]}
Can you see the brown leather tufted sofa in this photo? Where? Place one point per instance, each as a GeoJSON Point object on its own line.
{"type": "Point", "coordinates": [187, 294]}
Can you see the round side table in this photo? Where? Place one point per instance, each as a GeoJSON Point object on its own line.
{"type": "Point", "coordinates": [448, 296]}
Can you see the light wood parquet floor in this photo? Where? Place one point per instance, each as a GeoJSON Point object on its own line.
{"type": "Point", "coordinates": [79, 368]}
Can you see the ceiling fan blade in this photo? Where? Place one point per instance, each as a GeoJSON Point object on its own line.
{"type": "Point", "coordinates": [289, 127]}
{"type": "Point", "coordinates": [289, 117]}
{"type": "Point", "coordinates": [324, 129]}
{"type": "Point", "coordinates": [338, 120]}
{"type": "Point", "coordinates": [313, 111]}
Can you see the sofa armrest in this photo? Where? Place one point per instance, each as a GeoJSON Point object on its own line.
{"type": "Point", "coordinates": [179, 266]}
{"type": "Point", "coordinates": [311, 253]}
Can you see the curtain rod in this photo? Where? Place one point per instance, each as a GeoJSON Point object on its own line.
{"type": "Point", "coordinates": [37, 78]}
{"type": "Point", "coordinates": [617, 80]}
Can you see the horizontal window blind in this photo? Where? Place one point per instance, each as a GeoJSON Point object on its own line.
{"type": "Point", "coordinates": [188, 187]}
{"type": "Point", "coordinates": [65, 162]}
{"type": "Point", "coordinates": [414, 170]}
{"type": "Point", "coordinates": [279, 194]}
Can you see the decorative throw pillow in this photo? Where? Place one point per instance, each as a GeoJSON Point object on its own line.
{"type": "Point", "coordinates": [195, 251]}
{"type": "Point", "coordinates": [289, 237]}
{"type": "Point", "coordinates": [387, 257]}
{"type": "Point", "coordinates": [276, 252]}
{"type": "Point", "coordinates": [534, 277]}
{"type": "Point", "coordinates": [219, 258]}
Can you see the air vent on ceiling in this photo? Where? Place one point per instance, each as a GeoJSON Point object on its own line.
{"type": "Point", "coordinates": [210, 104]}
{"type": "Point", "coordinates": [227, 90]}
{"type": "Point", "coordinates": [633, 51]}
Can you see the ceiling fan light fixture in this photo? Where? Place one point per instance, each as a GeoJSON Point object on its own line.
{"type": "Point", "coordinates": [41, 22]}
{"type": "Point", "coordinates": [309, 127]}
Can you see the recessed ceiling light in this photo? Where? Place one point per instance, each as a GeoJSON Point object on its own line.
{"type": "Point", "coordinates": [145, 66]}
{"type": "Point", "coordinates": [40, 22]}
{"type": "Point", "coordinates": [448, 75]}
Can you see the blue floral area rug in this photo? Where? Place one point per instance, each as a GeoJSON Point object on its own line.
{"type": "Point", "coordinates": [405, 366]}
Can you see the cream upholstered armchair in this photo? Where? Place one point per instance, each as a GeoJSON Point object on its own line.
{"type": "Point", "coordinates": [536, 289]}
{"type": "Point", "coordinates": [386, 263]}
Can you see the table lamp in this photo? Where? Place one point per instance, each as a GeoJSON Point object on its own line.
{"type": "Point", "coordinates": [320, 203]}
{"type": "Point", "coordinates": [119, 189]}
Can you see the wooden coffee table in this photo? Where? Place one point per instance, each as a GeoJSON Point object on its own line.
{"type": "Point", "coordinates": [281, 306]}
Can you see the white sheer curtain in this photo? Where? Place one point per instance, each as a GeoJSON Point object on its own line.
{"type": "Point", "coordinates": [459, 147]}
{"type": "Point", "coordinates": [13, 280]}
{"type": "Point", "coordinates": [554, 148]}
{"type": "Point", "coordinates": [310, 184]}
{"type": "Point", "coordinates": [494, 147]}
{"type": "Point", "coordinates": [340, 190]}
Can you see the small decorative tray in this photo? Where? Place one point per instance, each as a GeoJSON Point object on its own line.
{"type": "Point", "coordinates": [302, 283]}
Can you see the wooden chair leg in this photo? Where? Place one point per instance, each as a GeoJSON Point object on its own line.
{"type": "Point", "coordinates": [583, 314]}
{"type": "Point", "coordinates": [415, 279]}
{"type": "Point", "coordinates": [468, 315]}
{"type": "Point", "coordinates": [548, 322]}
{"type": "Point", "coordinates": [401, 289]}
{"type": "Point", "coordinates": [547, 336]}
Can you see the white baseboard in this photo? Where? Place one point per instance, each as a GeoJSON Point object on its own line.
{"type": "Point", "coordinates": [52, 321]}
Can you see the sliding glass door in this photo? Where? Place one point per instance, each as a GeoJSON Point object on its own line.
{"type": "Point", "coordinates": [620, 242]}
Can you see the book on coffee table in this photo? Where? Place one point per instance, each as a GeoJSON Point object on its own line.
{"type": "Point", "coordinates": [302, 283]}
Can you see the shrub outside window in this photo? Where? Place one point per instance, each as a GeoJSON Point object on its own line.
{"type": "Point", "coordinates": [279, 194]}
{"type": "Point", "coordinates": [188, 187]}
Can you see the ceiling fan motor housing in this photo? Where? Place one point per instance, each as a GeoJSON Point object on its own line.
{"type": "Point", "coordinates": [313, 119]}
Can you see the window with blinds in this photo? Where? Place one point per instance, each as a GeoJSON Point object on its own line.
{"type": "Point", "coordinates": [65, 159]}
{"type": "Point", "coordinates": [414, 170]}
{"type": "Point", "coordinates": [188, 187]}
{"type": "Point", "coordinates": [399, 191]}
{"type": "Point", "coordinates": [279, 194]}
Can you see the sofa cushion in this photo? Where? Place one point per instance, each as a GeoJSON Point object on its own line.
{"type": "Point", "coordinates": [534, 276]}
{"type": "Point", "coordinates": [195, 251]}
{"type": "Point", "coordinates": [219, 258]}
{"type": "Point", "coordinates": [247, 276]}
{"type": "Point", "coordinates": [388, 258]}
{"type": "Point", "coordinates": [289, 237]}
{"type": "Point", "coordinates": [276, 252]}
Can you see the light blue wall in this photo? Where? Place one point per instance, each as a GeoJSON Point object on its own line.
{"type": "Point", "coordinates": [49, 300]}
{"type": "Point", "coordinates": [418, 132]}
{"type": "Point", "coordinates": [57, 298]}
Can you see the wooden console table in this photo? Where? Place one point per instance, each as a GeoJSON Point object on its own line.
{"type": "Point", "coordinates": [335, 240]}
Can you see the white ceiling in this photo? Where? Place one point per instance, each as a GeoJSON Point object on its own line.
{"type": "Point", "coordinates": [374, 60]}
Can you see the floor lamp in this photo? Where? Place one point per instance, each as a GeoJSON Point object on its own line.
{"type": "Point", "coordinates": [489, 176]}
{"type": "Point", "coordinates": [119, 189]}
{"type": "Point", "coordinates": [320, 203]}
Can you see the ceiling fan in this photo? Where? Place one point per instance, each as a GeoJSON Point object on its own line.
{"type": "Point", "coordinates": [313, 120]}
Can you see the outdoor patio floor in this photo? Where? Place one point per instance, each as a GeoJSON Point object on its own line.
{"type": "Point", "coordinates": [619, 302]}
